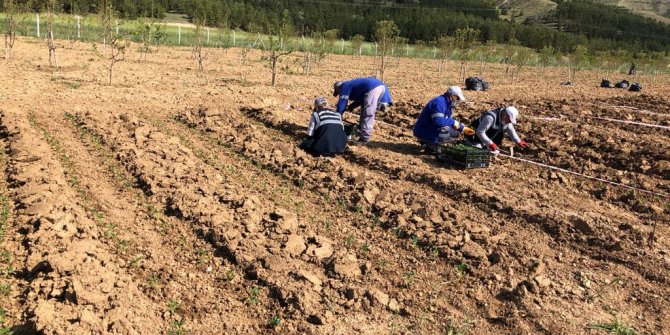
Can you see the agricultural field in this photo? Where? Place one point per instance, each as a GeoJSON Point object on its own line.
{"type": "Point", "coordinates": [175, 201]}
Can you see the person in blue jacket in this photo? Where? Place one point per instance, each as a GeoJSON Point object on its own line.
{"type": "Point", "coordinates": [370, 94]}
{"type": "Point", "coordinates": [436, 123]}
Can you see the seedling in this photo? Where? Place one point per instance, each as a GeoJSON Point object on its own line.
{"type": "Point", "coordinates": [274, 322]}
{"type": "Point", "coordinates": [461, 329]}
{"type": "Point", "coordinates": [382, 264]}
{"type": "Point", "coordinates": [202, 256]}
{"type": "Point", "coordinates": [375, 218]}
{"type": "Point", "coordinates": [614, 327]}
{"type": "Point", "coordinates": [253, 295]}
{"type": "Point", "coordinates": [6, 290]}
{"type": "Point", "coordinates": [135, 261]}
{"type": "Point", "coordinates": [461, 269]}
{"type": "Point", "coordinates": [359, 209]}
{"type": "Point", "coordinates": [415, 241]}
{"type": "Point", "coordinates": [173, 306]}
{"type": "Point", "coordinates": [177, 327]}
{"type": "Point", "coordinates": [328, 225]}
{"type": "Point", "coordinates": [153, 281]}
{"type": "Point", "coordinates": [110, 232]}
{"type": "Point", "coordinates": [365, 248]}
{"type": "Point", "coordinates": [123, 246]}
{"type": "Point", "coordinates": [5, 257]}
{"type": "Point", "coordinates": [408, 279]}
{"type": "Point", "coordinates": [230, 275]}
{"type": "Point", "coordinates": [350, 241]}
{"type": "Point", "coordinates": [435, 252]}
{"type": "Point", "coordinates": [3, 329]}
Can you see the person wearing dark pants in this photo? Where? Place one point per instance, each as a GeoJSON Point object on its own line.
{"type": "Point", "coordinates": [325, 133]}
{"type": "Point", "coordinates": [491, 127]}
{"type": "Point", "coordinates": [436, 123]}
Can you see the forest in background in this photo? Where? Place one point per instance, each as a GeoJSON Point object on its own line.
{"type": "Point", "coordinates": [586, 23]}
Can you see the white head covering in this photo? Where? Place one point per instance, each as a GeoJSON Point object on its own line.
{"type": "Point", "coordinates": [513, 114]}
{"type": "Point", "coordinates": [455, 90]}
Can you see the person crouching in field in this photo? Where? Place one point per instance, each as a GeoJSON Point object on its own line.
{"type": "Point", "coordinates": [491, 127]}
{"type": "Point", "coordinates": [436, 123]}
{"type": "Point", "coordinates": [325, 133]}
{"type": "Point", "coordinates": [368, 93]}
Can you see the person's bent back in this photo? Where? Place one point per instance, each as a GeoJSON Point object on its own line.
{"type": "Point", "coordinates": [325, 134]}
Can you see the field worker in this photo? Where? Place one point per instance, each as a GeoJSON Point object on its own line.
{"type": "Point", "coordinates": [325, 133]}
{"type": "Point", "coordinates": [384, 103]}
{"type": "Point", "coordinates": [436, 123]}
{"type": "Point", "coordinates": [491, 127]}
{"type": "Point", "coordinates": [364, 92]}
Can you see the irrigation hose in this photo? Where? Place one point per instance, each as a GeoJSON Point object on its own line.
{"type": "Point", "coordinates": [551, 167]}
{"type": "Point", "coordinates": [556, 168]}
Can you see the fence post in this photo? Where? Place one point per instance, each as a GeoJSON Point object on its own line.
{"type": "Point", "coordinates": [207, 35]}
{"type": "Point", "coordinates": [343, 46]}
{"type": "Point", "coordinates": [375, 48]}
{"type": "Point", "coordinates": [234, 37]}
{"type": "Point", "coordinates": [434, 51]}
{"type": "Point", "coordinates": [117, 27]}
{"type": "Point", "coordinates": [303, 43]}
{"type": "Point", "coordinates": [179, 35]}
{"type": "Point", "coordinates": [78, 27]}
{"type": "Point", "coordinates": [406, 49]}
{"type": "Point", "coordinates": [38, 24]}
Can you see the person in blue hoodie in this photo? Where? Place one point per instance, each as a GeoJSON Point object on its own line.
{"type": "Point", "coordinates": [370, 94]}
{"type": "Point", "coordinates": [436, 123]}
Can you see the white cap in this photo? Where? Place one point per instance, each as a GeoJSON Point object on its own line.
{"type": "Point", "coordinates": [513, 113]}
{"type": "Point", "coordinates": [455, 90]}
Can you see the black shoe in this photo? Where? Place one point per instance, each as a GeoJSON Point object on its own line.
{"type": "Point", "coordinates": [360, 142]}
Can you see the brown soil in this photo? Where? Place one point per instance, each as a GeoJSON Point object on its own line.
{"type": "Point", "coordinates": [177, 200]}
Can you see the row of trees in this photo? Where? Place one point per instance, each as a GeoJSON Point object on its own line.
{"type": "Point", "coordinates": [579, 22]}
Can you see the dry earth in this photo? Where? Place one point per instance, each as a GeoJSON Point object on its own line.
{"type": "Point", "coordinates": [176, 200]}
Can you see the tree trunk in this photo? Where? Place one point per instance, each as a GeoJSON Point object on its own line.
{"type": "Point", "coordinates": [273, 59]}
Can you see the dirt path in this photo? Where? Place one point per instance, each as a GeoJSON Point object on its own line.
{"type": "Point", "coordinates": [176, 200]}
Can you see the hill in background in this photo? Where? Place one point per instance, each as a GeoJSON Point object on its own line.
{"type": "Point", "coordinates": [537, 10]}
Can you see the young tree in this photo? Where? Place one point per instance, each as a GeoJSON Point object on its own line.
{"type": "Point", "coordinates": [198, 39]}
{"type": "Point", "coordinates": [51, 43]}
{"type": "Point", "coordinates": [444, 46]}
{"type": "Point", "coordinates": [465, 39]}
{"type": "Point", "coordinates": [521, 58]}
{"type": "Point", "coordinates": [578, 59]}
{"type": "Point", "coordinates": [117, 43]}
{"type": "Point", "coordinates": [280, 44]}
{"type": "Point", "coordinates": [330, 36]}
{"type": "Point", "coordinates": [357, 44]}
{"type": "Point", "coordinates": [385, 32]}
{"type": "Point", "coordinates": [10, 27]}
{"type": "Point", "coordinates": [546, 56]}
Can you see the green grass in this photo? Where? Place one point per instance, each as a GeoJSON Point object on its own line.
{"type": "Point", "coordinates": [614, 327]}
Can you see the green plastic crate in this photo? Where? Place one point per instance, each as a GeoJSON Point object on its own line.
{"type": "Point", "coordinates": [463, 156]}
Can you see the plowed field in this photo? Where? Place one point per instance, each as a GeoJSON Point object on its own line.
{"type": "Point", "coordinates": [177, 201]}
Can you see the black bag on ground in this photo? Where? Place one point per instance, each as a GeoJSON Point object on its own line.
{"type": "Point", "coordinates": [636, 87]}
{"type": "Point", "coordinates": [476, 84]}
{"type": "Point", "coordinates": [622, 84]}
{"type": "Point", "coordinates": [605, 83]}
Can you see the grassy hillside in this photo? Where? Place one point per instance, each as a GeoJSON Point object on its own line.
{"type": "Point", "coordinates": [537, 9]}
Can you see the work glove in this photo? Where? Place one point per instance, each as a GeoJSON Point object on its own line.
{"type": "Point", "coordinates": [523, 144]}
{"type": "Point", "coordinates": [467, 131]}
{"type": "Point", "coordinates": [493, 147]}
